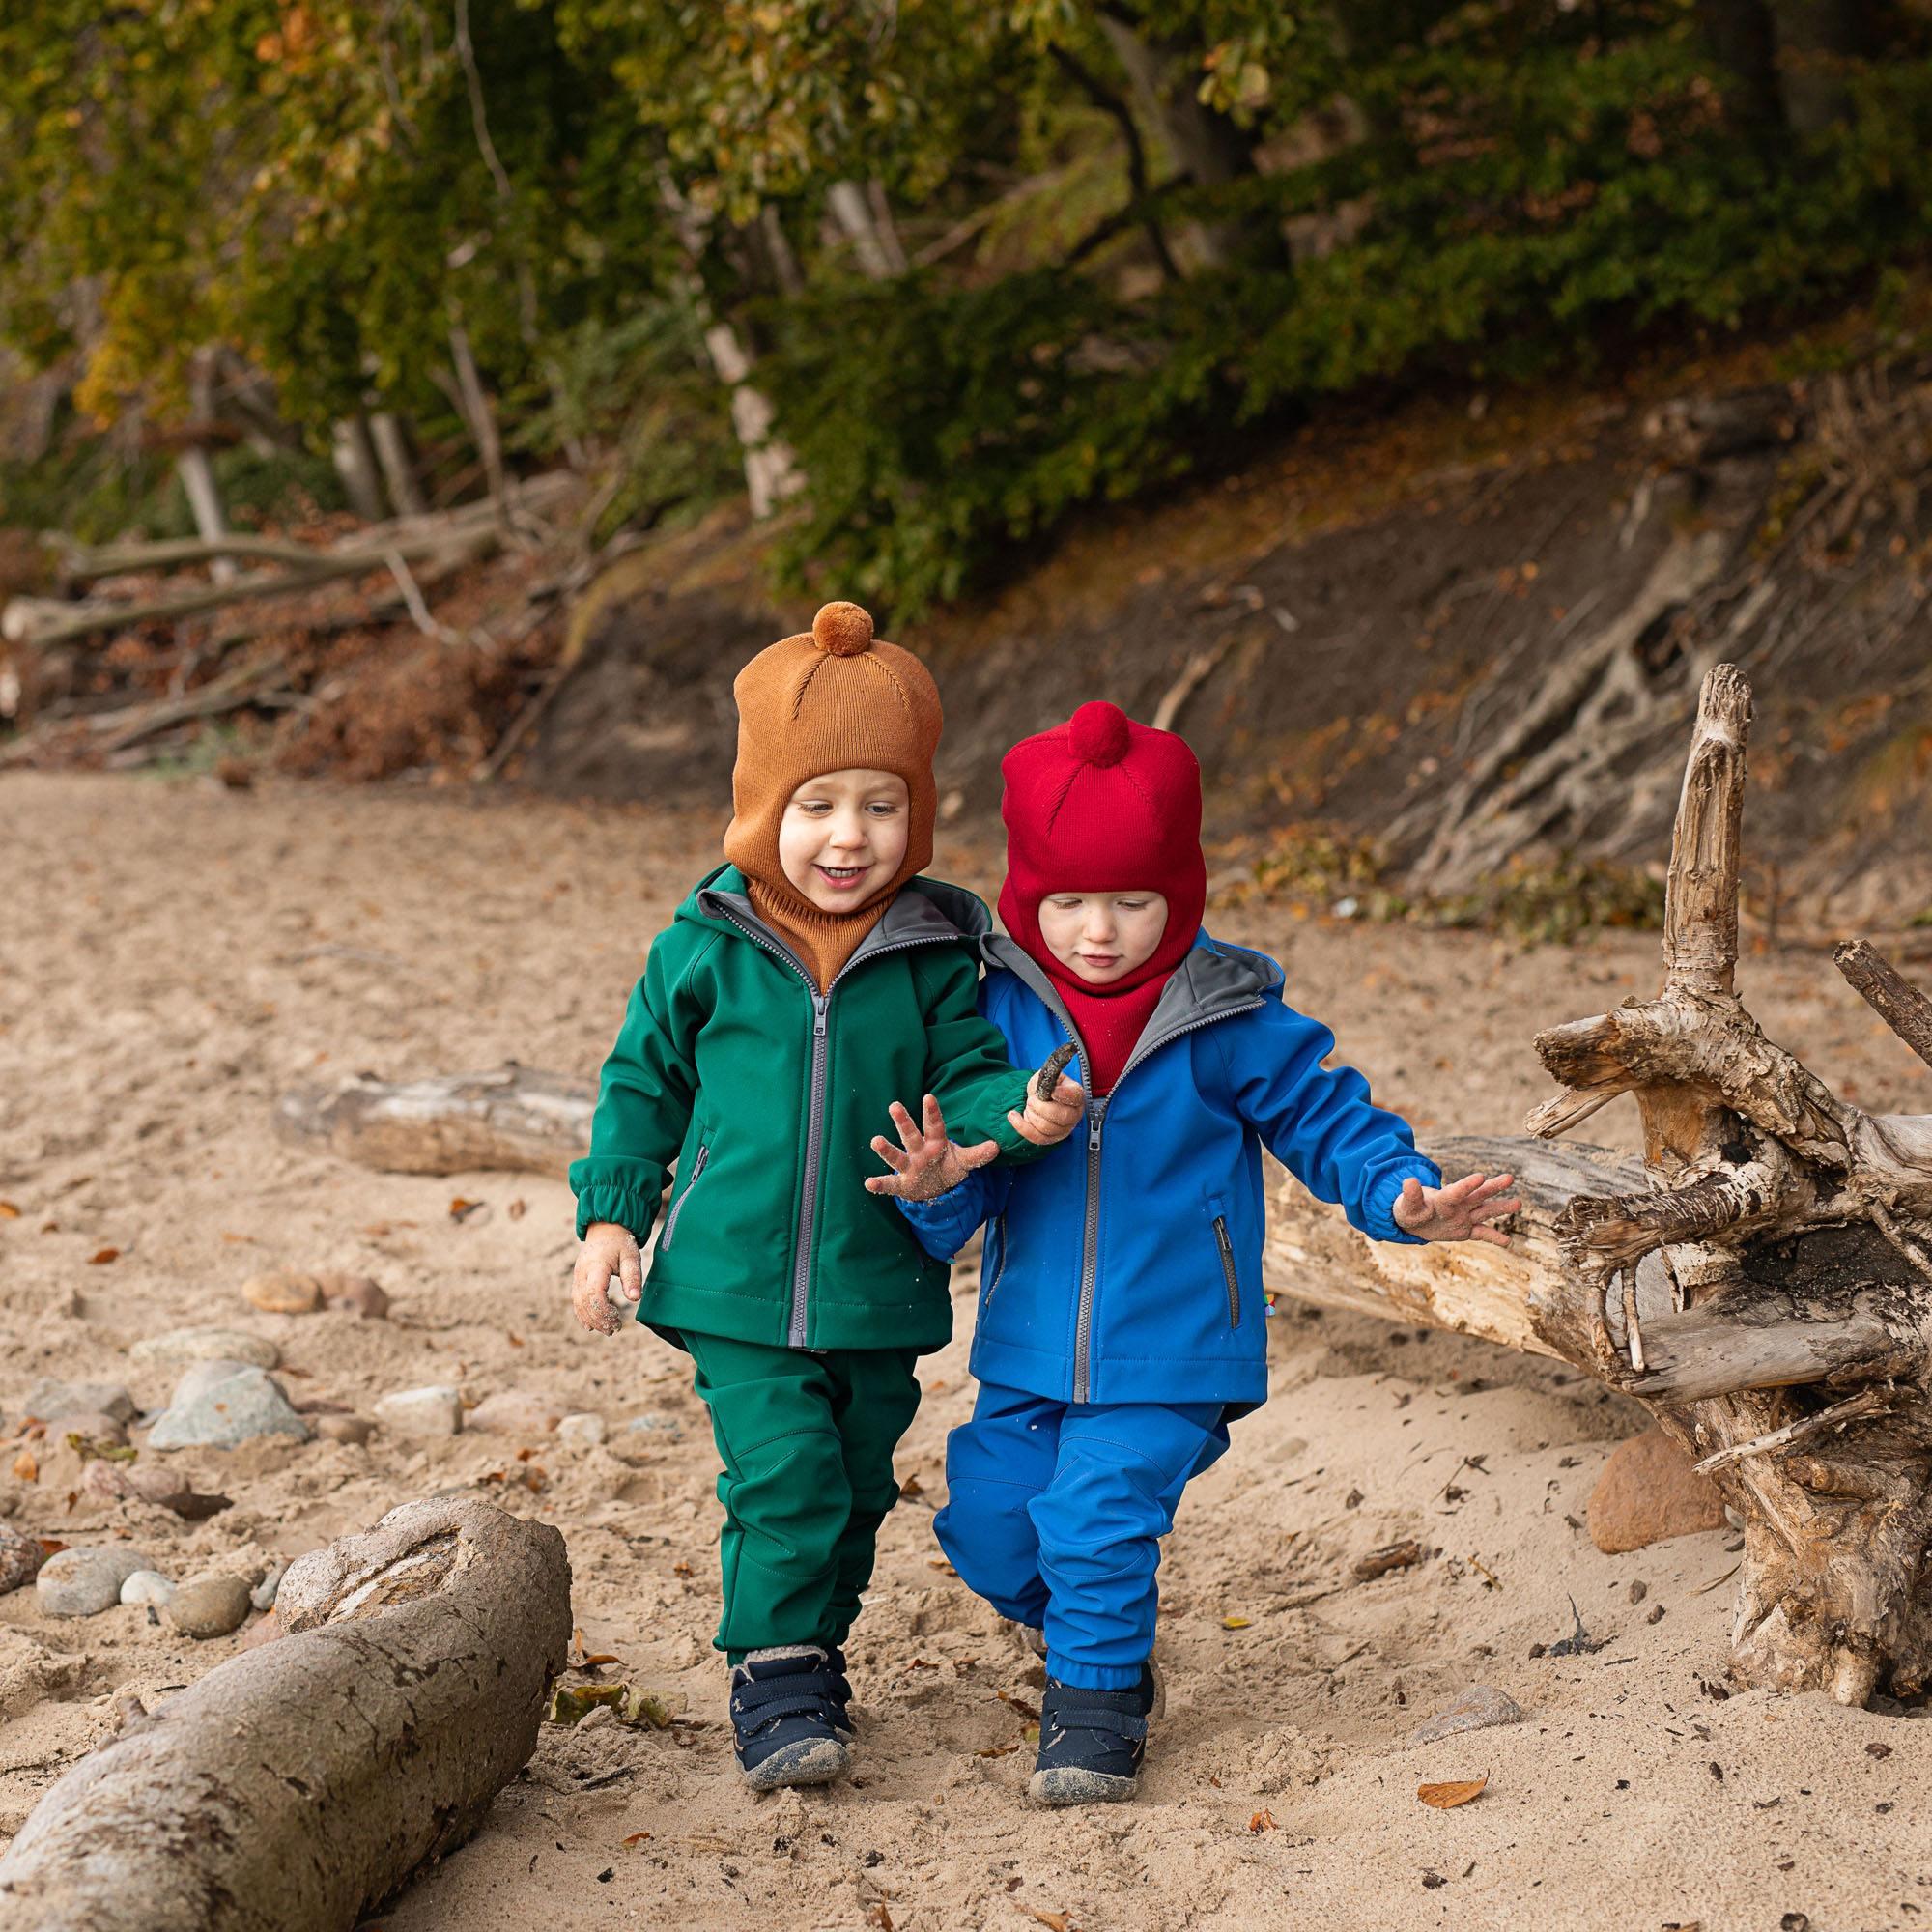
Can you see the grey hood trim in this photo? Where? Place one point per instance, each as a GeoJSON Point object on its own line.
{"type": "Point", "coordinates": [1211, 979]}
{"type": "Point", "coordinates": [922, 910]}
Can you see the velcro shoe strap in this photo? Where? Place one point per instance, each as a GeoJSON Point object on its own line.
{"type": "Point", "coordinates": [1071, 1716]}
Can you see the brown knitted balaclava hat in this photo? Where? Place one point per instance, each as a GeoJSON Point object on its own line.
{"type": "Point", "coordinates": [836, 699]}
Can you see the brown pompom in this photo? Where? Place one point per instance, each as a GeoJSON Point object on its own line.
{"type": "Point", "coordinates": [843, 630]}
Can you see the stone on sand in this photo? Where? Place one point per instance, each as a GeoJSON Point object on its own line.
{"type": "Point", "coordinates": [436, 1411]}
{"type": "Point", "coordinates": [581, 1431]}
{"type": "Point", "coordinates": [282, 1291]}
{"type": "Point", "coordinates": [350, 1429]}
{"type": "Point", "coordinates": [1648, 1492]}
{"type": "Point", "coordinates": [146, 1586]}
{"type": "Point", "coordinates": [212, 1606]}
{"type": "Point", "coordinates": [21, 1557]}
{"type": "Point", "coordinates": [53, 1401]}
{"type": "Point", "coordinates": [181, 1345]}
{"type": "Point", "coordinates": [219, 1413]}
{"type": "Point", "coordinates": [355, 1293]}
{"type": "Point", "coordinates": [82, 1582]}
{"type": "Point", "coordinates": [519, 1413]}
{"type": "Point", "coordinates": [1480, 1706]}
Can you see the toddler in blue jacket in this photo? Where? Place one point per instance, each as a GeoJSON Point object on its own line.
{"type": "Point", "coordinates": [1120, 1310]}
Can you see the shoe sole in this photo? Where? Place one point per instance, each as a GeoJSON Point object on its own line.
{"type": "Point", "coordinates": [1069, 1784]}
{"type": "Point", "coordinates": [810, 1761]}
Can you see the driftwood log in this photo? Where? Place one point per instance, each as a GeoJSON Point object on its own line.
{"type": "Point", "coordinates": [512, 1117]}
{"type": "Point", "coordinates": [297, 1786]}
{"type": "Point", "coordinates": [1763, 1283]}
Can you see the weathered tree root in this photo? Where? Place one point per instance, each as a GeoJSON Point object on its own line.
{"type": "Point", "coordinates": [1763, 1283]}
{"type": "Point", "coordinates": [298, 1785]}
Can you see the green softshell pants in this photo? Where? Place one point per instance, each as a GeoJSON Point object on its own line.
{"type": "Point", "coordinates": [807, 1442]}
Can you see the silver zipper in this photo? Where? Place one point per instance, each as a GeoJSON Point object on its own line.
{"type": "Point", "coordinates": [677, 1206]}
{"type": "Point", "coordinates": [815, 1118]}
{"type": "Point", "coordinates": [1096, 1115]}
{"type": "Point", "coordinates": [1001, 1226]}
{"type": "Point", "coordinates": [1227, 1274]}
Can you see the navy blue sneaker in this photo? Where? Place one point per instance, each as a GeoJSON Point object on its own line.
{"type": "Point", "coordinates": [1091, 1742]}
{"type": "Point", "coordinates": [790, 1718]}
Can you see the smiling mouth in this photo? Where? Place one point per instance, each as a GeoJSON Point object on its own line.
{"type": "Point", "coordinates": [842, 875]}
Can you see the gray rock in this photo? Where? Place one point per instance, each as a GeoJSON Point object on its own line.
{"type": "Point", "coordinates": [1479, 1707]}
{"type": "Point", "coordinates": [181, 1346]}
{"type": "Point", "coordinates": [581, 1431]}
{"type": "Point", "coordinates": [51, 1400]}
{"type": "Point", "coordinates": [147, 1586]}
{"type": "Point", "coordinates": [211, 1608]}
{"type": "Point", "coordinates": [82, 1582]}
{"type": "Point", "coordinates": [201, 1377]}
{"type": "Point", "coordinates": [649, 1425]}
{"type": "Point", "coordinates": [422, 1411]}
{"type": "Point", "coordinates": [243, 1403]}
{"type": "Point", "coordinates": [263, 1594]}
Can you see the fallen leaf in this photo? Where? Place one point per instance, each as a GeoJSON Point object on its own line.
{"type": "Point", "coordinates": [680, 1570]}
{"type": "Point", "coordinates": [101, 1256]}
{"type": "Point", "coordinates": [911, 1487]}
{"type": "Point", "coordinates": [1262, 1821]}
{"type": "Point", "coordinates": [1236, 1623]}
{"type": "Point", "coordinates": [597, 1657]}
{"type": "Point", "coordinates": [8, 1211]}
{"type": "Point", "coordinates": [518, 1208]}
{"type": "Point", "coordinates": [1056, 1921]}
{"type": "Point", "coordinates": [53, 1545]}
{"type": "Point", "coordinates": [1030, 1712]}
{"type": "Point", "coordinates": [25, 1468]}
{"type": "Point", "coordinates": [461, 1209]}
{"type": "Point", "coordinates": [515, 1341]}
{"type": "Point", "coordinates": [881, 1917]}
{"type": "Point", "coordinates": [944, 1567]}
{"type": "Point", "coordinates": [636, 1838]}
{"type": "Point", "coordinates": [1458, 1791]}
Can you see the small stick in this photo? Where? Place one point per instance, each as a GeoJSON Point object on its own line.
{"type": "Point", "coordinates": [1867, 1402]}
{"type": "Point", "coordinates": [1632, 1333]}
{"type": "Point", "coordinates": [1047, 1079]}
{"type": "Point", "coordinates": [1899, 1004]}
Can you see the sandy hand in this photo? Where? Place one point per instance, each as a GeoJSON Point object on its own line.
{"type": "Point", "coordinates": [609, 1280]}
{"type": "Point", "coordinates": [1462, 1211]}
{"type": "Point", "coordinates": [928, 1161]}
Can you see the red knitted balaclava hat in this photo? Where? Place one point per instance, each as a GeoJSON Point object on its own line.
{"type": "Point", "coordinates": [1103, 805]}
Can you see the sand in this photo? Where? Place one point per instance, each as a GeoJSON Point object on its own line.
{"type": "Point", "coordinates": [173, 955]}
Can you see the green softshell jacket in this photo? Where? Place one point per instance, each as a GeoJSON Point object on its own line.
{"type": "Point", "coordinates": [766, 1095]}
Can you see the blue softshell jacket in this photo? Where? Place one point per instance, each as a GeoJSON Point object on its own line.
{"type": "Point", "coordinates": [1125, 1265]}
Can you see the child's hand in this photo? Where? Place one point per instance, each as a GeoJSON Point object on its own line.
{"type": "Point", "coordinates": [1054, 1103]}
{"type": "Point", "coordinates": [931, 1162]}
{"type": "Point", "coordinates": [1462, 1211]}
{"type": "Point", "coordinates": [608, 1250]}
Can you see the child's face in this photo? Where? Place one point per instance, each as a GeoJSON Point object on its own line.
{"type": "Point", "coordinates": [844, 836]}
{"type": "Point", "coordinates": [1103, 936]}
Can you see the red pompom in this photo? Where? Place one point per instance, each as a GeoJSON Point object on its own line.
{"type": "Point", "coordinates": [843, 630]}
{"type": "Point", "coordinates": [1097, 733]}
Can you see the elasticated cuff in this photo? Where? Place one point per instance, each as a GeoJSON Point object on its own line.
{"type": "Point", "coordinates": [1378, 1220]}
{"type": "Point", "coordinates": [1093, 1676]}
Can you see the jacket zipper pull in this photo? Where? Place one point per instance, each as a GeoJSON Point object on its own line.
{"type": "Point", "coordinates": [1093, 1131]}
{"type": "Point", "coordinates": [818, 1004]}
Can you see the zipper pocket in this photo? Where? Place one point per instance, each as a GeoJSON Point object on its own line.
{"type": "Point", "coordinates": [987, 1300]}
{"type": "Point", "coordinates": [1227, 1274]}
{"type": "Point", "coordinates": [678, 1206]}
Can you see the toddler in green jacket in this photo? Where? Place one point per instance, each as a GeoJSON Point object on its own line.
{"type": "Point", "coordinates": [801, 988]}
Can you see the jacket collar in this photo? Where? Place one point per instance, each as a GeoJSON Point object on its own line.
{"type": "Point", "coordinates": [922, 911]}
{"type": "Point", "coordinates": [1212, 981]}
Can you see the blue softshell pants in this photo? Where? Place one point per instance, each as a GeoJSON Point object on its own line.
{"type": "Point", "coordinates": [1055, 1515]}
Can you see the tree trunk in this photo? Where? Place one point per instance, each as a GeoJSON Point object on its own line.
{"type": "Point", "coordinates": [196, 469]}
{"type": "Point", "coordinates": [391, 445]}
{"type": "Point", "coordinates": [1817, 40]}
{"type": "Point", "coordinates": [1206, 147]}
{"type": "Point", "coordinates": [299, 1784]}
{"type": "Point", "coordinates": [866, 222]}
{"type": "Point", "coordinates": [1766, 1291]}
{"type": "Point", "coordinates": [1744, 41]}
{"type": "Point", "coordinates": [354, 455]}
